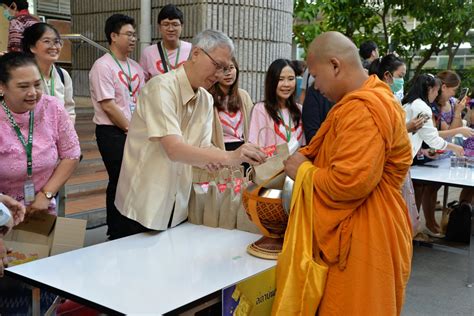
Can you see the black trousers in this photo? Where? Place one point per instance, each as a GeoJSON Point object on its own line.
{"type": "Point", "coordinates": [111, 143]}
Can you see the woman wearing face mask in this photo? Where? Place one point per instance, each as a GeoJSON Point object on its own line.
{"type": "Point", "coordinates": [278, 111]}
{"type": "Point", "coordinates": [43, 41]}
{"type": "Point", "coordinates": [391, 70]}
{"type": "Point", "coordinates": [16, 11]}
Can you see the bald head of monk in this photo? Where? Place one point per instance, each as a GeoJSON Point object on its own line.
{"type": "Point", "coordinates": [333, 60]}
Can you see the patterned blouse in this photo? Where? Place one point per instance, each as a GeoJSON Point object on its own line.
{"type": "Point", "coordinates": [54, 139]}
{"type": "Point", "coordinates": [16, 28]}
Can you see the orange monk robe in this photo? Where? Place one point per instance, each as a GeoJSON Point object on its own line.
{"type": "Point", "coordinates": [361, 221]}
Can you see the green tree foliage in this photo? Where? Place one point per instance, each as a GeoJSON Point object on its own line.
{"type": "Point", "coordinates": [441, 25]}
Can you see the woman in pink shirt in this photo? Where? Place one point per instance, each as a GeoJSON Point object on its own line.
{"type": "Point", "coordinates": [232, 106]}
{"type": "Point", "coordinates": [39, 148]}
{"type": "Point", "coordinates": [277, 119]}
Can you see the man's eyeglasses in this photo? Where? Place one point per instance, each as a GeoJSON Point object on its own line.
{"type": "Point", "coordinates": [129, 34]}
{"type": "Point", "coordinates": [53, 42]}
{"type": "Point", "coordinates": [219, 67]}
{"type": "Point", "coordinates": [173, 25]}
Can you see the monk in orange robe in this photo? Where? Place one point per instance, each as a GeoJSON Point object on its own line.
{"type": "Point", "coordinates": [361, 156]}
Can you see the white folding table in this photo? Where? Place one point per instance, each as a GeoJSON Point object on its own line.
{"type": "Point", "coordinates": [149, 273]}
{"type": "Point", "coordinates": [440, 171]}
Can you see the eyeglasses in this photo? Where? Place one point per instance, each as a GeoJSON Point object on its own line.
{"type": "Point", "coordinates": [173, 25]}
{"type": "Point", "coordinates": [129, 34]}
{"type": "Point", "coordinates": [53, 42]}
{"type": "Point", "coordinates": [219, 67]}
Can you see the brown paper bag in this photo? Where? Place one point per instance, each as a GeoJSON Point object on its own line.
{"type": "Point", "coordinates": [232, 200]}
{"type": "Point", "coordinates": [244, 222]}
{"type": "Point", "coordinates": [196, 202]}
{"type": "Point", "coordinates": [261, 173]}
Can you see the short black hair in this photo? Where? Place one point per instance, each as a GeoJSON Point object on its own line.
{"type": "Point", "coordinates": [171, 12]}
{"type": "Point", "coordinates": [20, 4]}
{"type": "Point", "coordinates": [33, 33]}
{"type": "Point", "coordinates": [12, 61]}
{"type": "Point", "coordinates": [114, 23]}
{"type": "Point", "coordinates": [366, 49]}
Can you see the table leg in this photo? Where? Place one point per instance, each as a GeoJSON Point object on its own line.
{"type": "Point", "coordinates": [36, 293]}
{"type": "Point", "coordinates": [445, 196]}
{"type": "Point", "coordinates": [470, 262]}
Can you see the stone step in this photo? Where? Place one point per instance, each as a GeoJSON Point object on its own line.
{"type": "Point", "coordinates": [89, 166]}
{"type": "Point", "coordinates": [82, 185]}
{"type": "Point", "coordinates": [90, 208]}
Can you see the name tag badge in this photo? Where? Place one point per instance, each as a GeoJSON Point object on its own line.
{"type": "Point", "coordinates": [132, 107]}
{"type": "Point", "coordinates": [29, 190]}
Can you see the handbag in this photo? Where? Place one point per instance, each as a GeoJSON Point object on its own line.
{"type": "Point", "coordinates": [276, 155]}
{"type": "Point", "coordinates": [300, 279]}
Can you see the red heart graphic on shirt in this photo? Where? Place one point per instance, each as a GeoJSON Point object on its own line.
{"type": "Point", "coordinates": [229, 123]}
{"type": "Point", "coordinates": [159, 66]}
{"type": "Point", "coordinates": [280, 133]}
{"type": "Point", "coordinates": [124, 78]}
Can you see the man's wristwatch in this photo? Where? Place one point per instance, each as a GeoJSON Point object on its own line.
{"type": "Point", "coordinates": [49, 195]}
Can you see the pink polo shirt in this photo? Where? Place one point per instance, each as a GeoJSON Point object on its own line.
{"type": "Point", "coordinates": [151, 60]}
{"type": "Point", "coordinates": [108, 81]}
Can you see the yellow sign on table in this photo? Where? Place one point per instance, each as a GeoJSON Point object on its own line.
{"type": "Point", "coordinates": [251, 297]}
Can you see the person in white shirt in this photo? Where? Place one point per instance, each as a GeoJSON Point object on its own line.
{"type": "Point", "coordinates": [43, 41]}
{"type": "Point", "coordinates": [423, 92]}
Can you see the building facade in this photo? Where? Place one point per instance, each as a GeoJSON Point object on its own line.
{"type": "Point", "coordinates": [261, 31]}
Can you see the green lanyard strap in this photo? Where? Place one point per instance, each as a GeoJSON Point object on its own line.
{"type": "Point", "coordinates": [176, 61]}
{"type": "Point", "coordinates": [52, 80]}
{"type": "Point", "coordinates": [287, 128]}
{"type": "Point", "coordinates": [129, 77]}
{"type": "Point", "coordinates": [27, 145]}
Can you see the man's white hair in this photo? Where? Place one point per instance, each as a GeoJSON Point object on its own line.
{"type": "Point", "coordinates": [211, 39]}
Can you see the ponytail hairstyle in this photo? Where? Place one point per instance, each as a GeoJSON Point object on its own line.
{"type": "Point", "coordinates": [420, 88]}
{"type": "Point", "coordinates": [388, 63]}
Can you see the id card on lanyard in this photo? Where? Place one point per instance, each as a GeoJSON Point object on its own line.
{"type": "Point", "coordinates": [29, 186]}
{"type": "Point", "coordinates": [131, 102]}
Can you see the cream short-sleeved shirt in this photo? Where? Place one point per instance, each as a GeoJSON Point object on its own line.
{"type": "Point", "coordinates": [150, 183]}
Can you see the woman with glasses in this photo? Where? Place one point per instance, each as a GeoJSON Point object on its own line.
{"type": "Point", "coordinates": [232, 106]}
{"type": "Point", "coordinates": [43, 41]}
{"type": "Point", "coordinates": [170, 52]}
{"type": "Point", "coordinates": [279, 111]}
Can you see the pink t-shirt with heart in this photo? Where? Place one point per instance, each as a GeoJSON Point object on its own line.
{"type": "Point", "coordinates": [108, 81]}
{"type": "Point", "coordinates": [152, 65]}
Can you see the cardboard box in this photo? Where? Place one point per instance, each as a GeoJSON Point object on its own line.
{"type": "Point", "coordinates": [43, 235]}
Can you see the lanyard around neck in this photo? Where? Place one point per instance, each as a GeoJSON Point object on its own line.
{"type": "Point", "coordinates": [129, 76]}
{"type": "Point", "coordinates": [51, 77]}
{"type": "Point", "coordinates": [287, 128]}
{"type": "Point", "coordinates": [27, 145]}
{"type": "Point", "coordinates": [176, 61]}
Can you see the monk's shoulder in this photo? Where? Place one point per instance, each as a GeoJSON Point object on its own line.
{"type": "Point", "coordinates": [353, 110]}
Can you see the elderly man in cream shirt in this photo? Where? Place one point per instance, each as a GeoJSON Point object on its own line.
{"type": "Point", "coordinates": [169, 133]}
